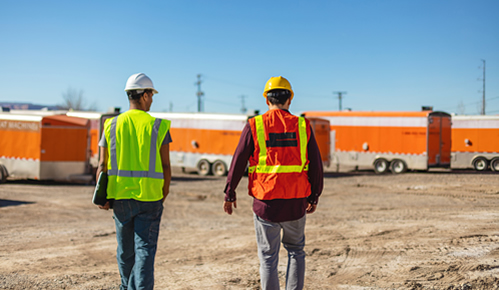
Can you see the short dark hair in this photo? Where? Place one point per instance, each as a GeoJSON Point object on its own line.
{"type": "Point", "coordinates": [135, 95]}
{"type": "Point", "coordinates": [278, 96]}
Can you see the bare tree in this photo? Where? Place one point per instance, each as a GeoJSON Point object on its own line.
{"type": "Point", "coordinates": [74, 100]}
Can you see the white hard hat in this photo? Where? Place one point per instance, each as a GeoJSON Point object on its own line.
{"type": "Point", "coordinates": [139, 82]}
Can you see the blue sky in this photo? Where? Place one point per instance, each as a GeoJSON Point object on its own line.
{"type": "Point", "coordinates": [392, 55]}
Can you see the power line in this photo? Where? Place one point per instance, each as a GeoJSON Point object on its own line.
{"type": "Point", "coordinates": [232, 83]}
{"type": "Point", "coordinates": [220, 102]}
{"type": "Point", "coordinates": [473, 103]}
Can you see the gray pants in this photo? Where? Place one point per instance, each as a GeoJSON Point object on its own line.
{"type": "Point", "coordinates": [268, 238]}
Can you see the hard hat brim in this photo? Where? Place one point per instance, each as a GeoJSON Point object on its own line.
{"type": "Point", "coordinates": [132, 89]}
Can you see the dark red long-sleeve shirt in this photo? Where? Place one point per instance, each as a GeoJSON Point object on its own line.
{"type": "Point", "coordinates": [276, 210]}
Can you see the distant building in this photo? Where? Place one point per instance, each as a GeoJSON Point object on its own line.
{"type": "Point", "coordinates": [27, 106]}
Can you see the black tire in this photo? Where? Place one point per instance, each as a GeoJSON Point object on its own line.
{"type": "Point", "coordinates": [398, 166]}
{"type": "Point", "coordinates": [480, 164]}
{"type": "Point", "coordinates": [3, 174]}
{"type": "Point", "coordinates": [204, 167]}
{"type": "Point", "coordinates": [381, 165]}
{"type": "Point", "coordinates": [219, 168]}
{"type": "Point", "coordinates": [494, 164]}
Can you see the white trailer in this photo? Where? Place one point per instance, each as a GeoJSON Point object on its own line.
{"type": "Point", "coordinates": [202, 141]}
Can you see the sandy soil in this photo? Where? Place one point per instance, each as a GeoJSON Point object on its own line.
{"type": "Point", "coordinates": [433, 230]}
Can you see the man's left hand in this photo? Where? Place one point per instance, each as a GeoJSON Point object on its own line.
{"type": "Point", "coordinates": [228, 206]}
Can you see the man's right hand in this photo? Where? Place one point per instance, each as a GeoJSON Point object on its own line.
{"type": "Point", "coordinates": [106, 206]}
{"type": "Point", "coordinates": [228, 206]}
{"type": "Point", "coordinates": [311, 208]}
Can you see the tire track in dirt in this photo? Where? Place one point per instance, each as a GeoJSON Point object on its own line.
{"type": "Point", "coordinates": [451, 195]}
{"type": "Point", "coordinates": [358, 262]}
{"type": "Point", "coordinates": [451, 264]}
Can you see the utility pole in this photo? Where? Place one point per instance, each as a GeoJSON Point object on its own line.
{"type": "Point", "coordinates": [340, 96]}
{"type": "Point", "coordinates": [199, 93]}
{"type": "Point", "coordinates": [483, 91]}
{"type": "Point", "coordinates": [243, 107]}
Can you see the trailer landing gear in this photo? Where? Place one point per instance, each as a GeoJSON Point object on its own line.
{"type": "Point", "coordinates": [3, 173]}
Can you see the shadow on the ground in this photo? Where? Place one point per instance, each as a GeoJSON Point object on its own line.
{"type": "Point", "coordinates": [5, 202]}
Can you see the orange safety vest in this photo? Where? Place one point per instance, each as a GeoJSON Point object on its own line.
{"type": "Point", "coordinates": [278, 167]}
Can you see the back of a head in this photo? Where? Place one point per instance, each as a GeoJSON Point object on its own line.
{"type": "Point", "coordinates": [278, 96]}
{"type": "Point", "coordinates": [278, 90]}
{"type": "Point", "coordinates": [135, 95]}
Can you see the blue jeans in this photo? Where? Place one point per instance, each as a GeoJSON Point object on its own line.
{"type": "Point", "coordinates": [268, 238]}
{"type": "Point", "coordinates": [137, 230]}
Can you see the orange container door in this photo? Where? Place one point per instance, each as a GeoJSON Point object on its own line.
{"type": "Point", "coordinates": [64, 144]}
{"type": "Point", "coordinates": [64, 139]}
{"type": "Point", "coordinates": [322, 136]}
{"type": "Point", "coordinates": [446, 144]}
{"type": "Point", "coordinates": [439, 136]}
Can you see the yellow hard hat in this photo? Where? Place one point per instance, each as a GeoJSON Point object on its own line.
{"type": "Point", "coordinates": [277, 83]}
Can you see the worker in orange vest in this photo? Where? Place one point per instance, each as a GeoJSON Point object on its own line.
{"type": "Point", "coordinates": [285, 177]}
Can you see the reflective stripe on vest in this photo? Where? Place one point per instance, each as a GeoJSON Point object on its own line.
{"type": "Point", "coordinates": [151, 173]}
{"type": "Point", "coordinates": [262, 166]}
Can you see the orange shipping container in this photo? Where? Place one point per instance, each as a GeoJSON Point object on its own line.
{"type": "Point", "coordinates": [388, 140]}
{"type": "Point", "coordinates": [96, 120]}
{"type": "Point", "coordinates": [43, 147]}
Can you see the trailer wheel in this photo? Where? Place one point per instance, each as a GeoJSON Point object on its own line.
{"type": "Point", "coordinates": [398, 166]}
{"type": "Point", "coordinates": [380, 166]}
{"type": "Point", "coordinates": [204, 167]}
{"type": "Point", "coordinates": [480, 164]}
{"type": "Point", "coordinates": [494, 164]}
{"type": "Point", "coordinates": [3, 174]}
{"type": "Point", "coordinates": [219, 168]}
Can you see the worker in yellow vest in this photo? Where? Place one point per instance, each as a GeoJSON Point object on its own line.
{"type": "Point", "coordinates": [285, 178]}
{"type": "Point", "coordinates": [134, 151]}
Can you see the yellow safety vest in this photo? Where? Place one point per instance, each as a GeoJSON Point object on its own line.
{"type": "Point", "coordinates": [135, 169]}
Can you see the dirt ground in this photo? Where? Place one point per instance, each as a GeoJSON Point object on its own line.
{"type": "Point", "coordinates": [436, 230]}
